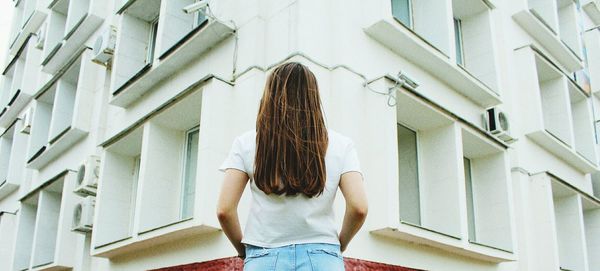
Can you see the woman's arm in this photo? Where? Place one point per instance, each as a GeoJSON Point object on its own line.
{"type": "Point", "coordinates": [231, 192]}
{"type": "Point", "coordinates": [351, 185]}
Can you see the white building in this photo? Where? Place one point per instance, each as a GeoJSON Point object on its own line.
{"type": "Point", "coordinates": [123, 145]}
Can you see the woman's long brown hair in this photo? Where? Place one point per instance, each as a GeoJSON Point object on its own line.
{"type": "Point", "coordinates": [291, 137]}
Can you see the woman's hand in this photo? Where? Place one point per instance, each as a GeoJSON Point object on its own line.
{"type": "Point", "coordinates": [231, 191]}
{"type": "Point", "coordinates": [343, 247]}
{"type": "Point", "coordinates": [351, 185]}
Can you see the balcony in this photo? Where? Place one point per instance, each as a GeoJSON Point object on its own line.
{"type": "Point", "coordinates": [149, 191]}
{"type": "Point", "coordinates": [71, 24]}
{"type": "Point", "coordinates": [429, 48]}
{"type": "Point", "coordinates": [569, 230]}
{"type": "Point", "coordinates": [178, 39]}
{"type": "Point", "coordinates": [62, 114]}
{"type": "Point", "coordinates": [28, 17]}
{"type": "Point", "coordinates": [12, 158]}
{"type": "Point", "coordinates": [18, 89]}
{"type": "Point", "coordinates": [44, 237]}
{"type": "Point", "coordinates": [542, 21]}
{"type": "Point", "coordinates": [592, 8]}
{"type": "Point", "coordinates": [432, 146]}
{"type": "Point", "coordinates": [553, 109]}
{"type": "Point", "coordinates": [7, 234]}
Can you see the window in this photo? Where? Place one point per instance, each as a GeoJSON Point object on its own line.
{"type": "Point", "coordinates": [118, 193]}
{"type": "Point", "coordinates": [554, 98]}
{"type": "Point", "coordinates": [6, 142]}
{"type": "Point", "coordinates": [189, 174]}
{"type": "Point", "coordinates": [569, 228]}
{"type": "Point", "coordinates": [401, 10]}
{"type": "Point", "coordinates": [458, 42]}
{"type": "Point", "coordinates": [583, 127]}
{"type": "Point", "coordinates": [43, 235]}
{"type": "Point", "coordinates": [591, 219]}
{"type": "Point", "coordinates": [569, 28]}
{"type": "Point", "coordinates": [62, 111]}
{"type": "Point", "coordinates": [408, 187]}
{"type": "Point", "coordinates": [134, 188]}
{"type": "Point", "coordinates": [469, 195]}
{"type": "Point", "coordinates": [427, 169]}
{"type": "Point", "coordinates": [149, 179]}
{"type": "Point", "coordinates": [7, 235]}
{"type": "Point", "coordinates": [474, 41]}
{"type": "Point", "coordinates": [138, 37]}
{"type": "Point", "coordinates": [486, 190]}
{"type": "Point", "coordinates": [56, 29]}
{"type": "Point", "coordinates": [152, 41]}
{"type": "Point", "coordinates": [200, 17]}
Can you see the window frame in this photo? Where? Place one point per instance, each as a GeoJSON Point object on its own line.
{"type": "Point", "coordinates": [152, 38]}
{"type": "Point", "coordinates": [418, 174]}
{"type": "Point", "coordinates": [410, 13]}
{"type": "Point", "coordinates": [137, 162]}
{"type": "Point", "coordinates": [472, 230]}
{"type": "Point", "coordinates": [187, 147]}
{"type": "Point", "coordinates": [458, 42]}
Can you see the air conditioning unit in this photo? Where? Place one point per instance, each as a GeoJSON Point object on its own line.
{"type": "Point", "coordinates": [41, 37]}
{"type": "Point", "coordinates": [83, 215]}
{"type": "Point", "coordinates": [104, 47]}
{"type": "Point", "coordinates": [27, 118]}
{"type": "Point", "coordinates": [87, 176]}
{"type": "Point", "coordinates": [496, 122]}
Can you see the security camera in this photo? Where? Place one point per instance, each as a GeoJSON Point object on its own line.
{"type": "Point", "coordinates": [195, 6]}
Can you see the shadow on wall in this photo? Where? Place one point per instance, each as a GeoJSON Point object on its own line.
{"type": "Point", "coordinates": [236, 264]}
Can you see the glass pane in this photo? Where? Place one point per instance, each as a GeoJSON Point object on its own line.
{"type": "Point", "coordinates": [408, 176]}
{"type": "Point", "coordinates": [200, 18]}
{"type": "Point", "coordinates": [401, 11]}
{"type": "Point", "coordinates": [189, 174]}
{"type": "Point", "coordinates": [134, 186]}
{"type": "Point", "coordinates": [458, 41]}
{"type": "Point", "coordinates": [470, 206]}
{"type": "Point", "coordinates": [152, 41]}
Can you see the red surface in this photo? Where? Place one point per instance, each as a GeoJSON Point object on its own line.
{"type": "Point", "coordinates": [236, 264]}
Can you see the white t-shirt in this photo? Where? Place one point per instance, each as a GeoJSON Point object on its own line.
{"type": "Point", "coordinates": [279, 220]}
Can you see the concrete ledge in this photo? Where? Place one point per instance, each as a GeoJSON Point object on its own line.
{"type": "Point", "coordinates": [549, 40]}
{"type": "Point", "coordinates": [409, 45]}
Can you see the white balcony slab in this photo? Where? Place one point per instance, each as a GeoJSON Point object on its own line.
{"type": "Point", "coordinates": [563, 151]}
{"type": "Point", "coordinates": [73, 43]}
{"type": "Point", "coordinates": [549, 40]}
{"type": "Point", "coordinates": [592, 8]}
{"type": "Point", "coordinates": [195, 44]}
{"type": "Point", "coordinates": [167, 234]}
{"type": "Point", "coordinates": [15, 106]}
{"type": "Point", "coordinates": [31, 26]}
{"type": "Point", "coordinates": [7, 187]}
{"type": "Point", "coordinates": [56, 147]}
{"type": "Point", "coordinates": [409, 45]}
{"type": "Point", "coordinates": [422, 236]}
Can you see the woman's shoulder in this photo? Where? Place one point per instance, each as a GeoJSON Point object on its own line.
{"type": "Point", "coordinates": [339, 138]}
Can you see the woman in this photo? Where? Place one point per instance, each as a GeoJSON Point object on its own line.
{"type": "Point", "coordinates": [295, 165]}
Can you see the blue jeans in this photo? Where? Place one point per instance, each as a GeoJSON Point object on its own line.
{"type": "Point", "coordinates": [300, 257]}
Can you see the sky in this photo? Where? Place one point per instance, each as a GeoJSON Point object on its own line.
{"type": "Point", "coordinates": [6, 8]}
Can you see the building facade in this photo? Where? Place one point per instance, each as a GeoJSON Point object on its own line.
{"type": "Point", "coordinates": [475, 122]}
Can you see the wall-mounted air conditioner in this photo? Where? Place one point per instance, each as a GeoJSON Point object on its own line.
{"type": "Point", "coordinates": [27, 119]}
{"type": "Point", "coordinates": [87, 176]}
{"type": "Point", "coordinates": [104, 47]}
{"type": "Point", "coordinates": [41, 37]}
{"type": "Point", "coordinates": [83, 215]}
{"type": "Point", "coordinates": [496, 122]}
